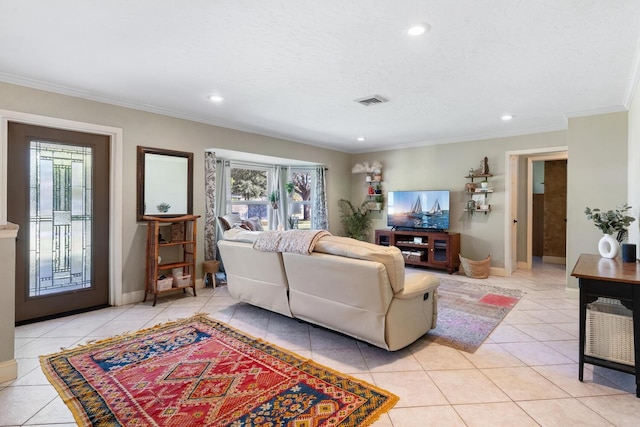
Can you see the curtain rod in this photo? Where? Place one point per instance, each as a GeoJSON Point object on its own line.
{"type": "Point", "coordinates": [268, 164]}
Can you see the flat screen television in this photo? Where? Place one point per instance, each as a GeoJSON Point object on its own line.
{"type": "Point", "coordinates": [425, 209]}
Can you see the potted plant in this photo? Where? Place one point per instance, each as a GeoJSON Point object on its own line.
{"type": "Point", "coordinates": [378, 189]}
{"type": "Point", "coordinates": [290, 187]}
{"type": "Point", "coordinates": [273, 198]}
{"type": "Point", "coordinates": [356, 221]}
{"type": "Point", "coordinates": [610, 222]}
{"type": "Point", "coordinates": [379, 200]}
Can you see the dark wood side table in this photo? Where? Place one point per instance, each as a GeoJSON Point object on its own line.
{"type": "Point", "coordinates": [609, 278]}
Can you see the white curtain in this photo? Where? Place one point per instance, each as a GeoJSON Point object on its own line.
{"type": "Point", "coordinates": [278, 217]}
{"type": "Point", "coordinates": [221, 192]}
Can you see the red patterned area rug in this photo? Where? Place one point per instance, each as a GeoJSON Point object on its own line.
{"type": "Point", "coordinates": [197, 372]}
{"type": "Point", "coordinates": [469, 312]}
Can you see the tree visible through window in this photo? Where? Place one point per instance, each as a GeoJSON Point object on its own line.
{"type": "Point", "coordinates": [249, 189]}
{"type": "Point", "coordinates": [301, 198]}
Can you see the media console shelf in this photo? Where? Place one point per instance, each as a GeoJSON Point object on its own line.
{"type": "Point", "coordinates": [432, 249]}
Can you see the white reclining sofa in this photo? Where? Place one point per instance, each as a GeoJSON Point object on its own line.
{"type": "Point", "coordinates": [353, 287]}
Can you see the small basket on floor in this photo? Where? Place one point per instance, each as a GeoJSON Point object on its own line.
{"type": "Point", "coordinates": [475, 269]}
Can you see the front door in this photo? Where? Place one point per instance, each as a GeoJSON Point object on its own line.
{"type": "Point", "coordinates": [58, 193]}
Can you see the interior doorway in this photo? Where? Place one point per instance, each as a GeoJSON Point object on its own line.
{"type": "Point", "coordinates": [519, 195]}
{"type": "Point", "coordinates": [546, 210]}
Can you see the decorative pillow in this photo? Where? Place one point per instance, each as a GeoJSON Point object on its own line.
{"type": "Point", "coordinates": [245, 225]}
{"type": "Point", "coordinates": [256, 225]}
{"type": "Point", "coordinates": [241, 235]}
{"type": "Point", "coordinates": [227, 221]}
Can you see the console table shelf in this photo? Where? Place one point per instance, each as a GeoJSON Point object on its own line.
{"type": "Point", "coordinates": [424, 248]}
{"type": "Point", "coordinates": [613, 279]}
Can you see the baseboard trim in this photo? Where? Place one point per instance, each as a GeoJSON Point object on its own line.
{"type": "Point", "coordinates": [572, 293]}
{"type": "Point", "coordinates": [8, 370]}
{"type": "Point", "coordinates": [523, 265]}
{"type": "Point", "coordinates": [496, 271]}
{"type": "Point", "coordinates": [137, 296]}
{"type": "Point", "coordinates": [554, 259]}
{"type": "Point", "coordinates": [132, 297]}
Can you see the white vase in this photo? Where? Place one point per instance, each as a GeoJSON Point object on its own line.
{"type": "Point", "coordinates": [608, 246]}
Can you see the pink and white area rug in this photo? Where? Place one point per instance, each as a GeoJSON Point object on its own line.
{"type": "Point", "coordinates": [469, 312]}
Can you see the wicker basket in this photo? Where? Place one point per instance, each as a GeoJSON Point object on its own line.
{"type": "Point", "coordinates": [475, 269]}
{"type": "Point", "coordinates": [182, 280]}
{"type": "Point", "coordinates": [164, 284]}
{"type": "Point", "coordinates": [609, 332]}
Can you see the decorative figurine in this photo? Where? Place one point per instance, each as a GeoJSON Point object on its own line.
{"type": "Point", "coordinates": [484, 166]}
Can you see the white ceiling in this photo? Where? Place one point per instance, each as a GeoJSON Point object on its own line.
{"type": "Point", "coordinates": [292, 69]}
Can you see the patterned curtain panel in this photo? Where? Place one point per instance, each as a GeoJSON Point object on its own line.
{"type": "Point", "coordinates": [319, 219]}
{"type": "Point", "coordinates": [210, 206]}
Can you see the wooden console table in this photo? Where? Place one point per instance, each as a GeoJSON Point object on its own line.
{"type": "Point", "coordinates": [609, 278]}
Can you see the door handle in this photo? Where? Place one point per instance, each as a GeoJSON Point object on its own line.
{"type": "Point", "coordinates": [515, 220]}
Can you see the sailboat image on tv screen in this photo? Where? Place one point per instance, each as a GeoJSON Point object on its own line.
{"type": "Point", "coordinates": [426, 209]}
{"type": "Point", "coordinates": [416, 209]}
{"type": "Point", "coordinates": [435, 209]}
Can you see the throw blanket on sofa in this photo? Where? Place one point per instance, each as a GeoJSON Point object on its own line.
{"type": "Point", "coordinates": [296, 241]}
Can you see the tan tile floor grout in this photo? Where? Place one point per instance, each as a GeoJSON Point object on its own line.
{"type": "Point", "coordinates": [525, 374]}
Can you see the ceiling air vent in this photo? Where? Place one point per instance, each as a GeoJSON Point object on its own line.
{"type": "Point", "coordinates": [371, 100]}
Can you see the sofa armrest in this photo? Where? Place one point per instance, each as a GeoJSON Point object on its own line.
{"type": "Point", "coordinates": [418, 284]}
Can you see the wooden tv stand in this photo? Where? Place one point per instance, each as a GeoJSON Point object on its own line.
{"type": "Point", "coordinates": [434, 249]}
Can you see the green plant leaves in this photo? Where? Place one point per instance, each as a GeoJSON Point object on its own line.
{"type": "Point", "coordinates": [356, 221]}
{"type": "Point", "coordinates": [611, 221]}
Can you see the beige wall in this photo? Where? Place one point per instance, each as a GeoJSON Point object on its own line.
{"type": "Point", "coordinates": [153, 130]}
{"type": "Point", "coordinates": [597, 177]}
{"type": "Point", "coordinates": [444, 167]}
{"type": "Point", "coordinates": [591, 173]}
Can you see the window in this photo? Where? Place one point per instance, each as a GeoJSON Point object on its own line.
{"type": "Point", "coordinates": [248, 186]}
{"type": "Point", "coordinates": [301, 203]}
{"type": "Point", "coordinates": [248, 191]}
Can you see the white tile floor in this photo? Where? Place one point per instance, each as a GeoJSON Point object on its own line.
{"type": "Point", "coordinates": [525, 374]}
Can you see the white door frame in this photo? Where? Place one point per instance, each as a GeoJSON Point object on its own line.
{"type": "Point", "coordinates": [511, 198]}
{"type": "Point", "coordinates": [115, 183]}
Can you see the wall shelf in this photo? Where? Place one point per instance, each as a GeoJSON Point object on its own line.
{"type": "Point", "coordinates": [477, 202]}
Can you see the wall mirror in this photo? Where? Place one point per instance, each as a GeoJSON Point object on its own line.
{"type": "Point", "coordinates": [165, 182]}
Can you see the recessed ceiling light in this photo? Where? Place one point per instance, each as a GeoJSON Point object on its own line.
{"type": "Point", "coordinates": [215, 98]}
{"type": "Point", "coordinates": [362, 138]}
{"type": "Point", "coordinates": [418, 29]}
{"type": "Point", "coordinates": [507, 117]}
